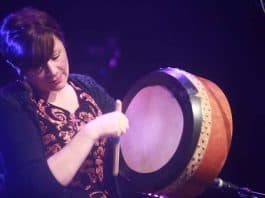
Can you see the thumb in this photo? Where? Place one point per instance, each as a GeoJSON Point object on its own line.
{"type": "Point", "coordinates": [118, 105]}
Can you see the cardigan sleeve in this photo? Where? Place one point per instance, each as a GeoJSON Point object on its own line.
{"type": "Point", "coordinates": [28, 174]}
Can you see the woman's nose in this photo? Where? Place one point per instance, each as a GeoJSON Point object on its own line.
{"type": "Point", "coordinates": [51, 68]}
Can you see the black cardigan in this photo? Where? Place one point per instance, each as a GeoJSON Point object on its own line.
{"type": "Point", "coordinates": [28, 174]}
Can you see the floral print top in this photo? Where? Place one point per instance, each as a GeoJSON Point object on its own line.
{"type": "Point", "coordinates": [59, 126]}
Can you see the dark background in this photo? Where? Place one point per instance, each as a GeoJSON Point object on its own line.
{"type": "Point", "coordinates": [222, 41]}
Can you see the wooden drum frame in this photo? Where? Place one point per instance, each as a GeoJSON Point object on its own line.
{"type": "Point", "coordinates": [181, 154]}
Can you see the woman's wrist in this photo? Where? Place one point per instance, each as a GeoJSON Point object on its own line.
{"type": "Point", "coordinates": [90, 131]}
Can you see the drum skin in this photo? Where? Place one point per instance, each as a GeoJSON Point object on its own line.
{"type": "Point", "coordinates": [205, 140]}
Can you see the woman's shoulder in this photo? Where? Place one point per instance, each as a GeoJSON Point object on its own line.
{"type": "Point", "coordinates": [9, 94]}
{"type": "Point", "coordinates": [87, 83]}
{"type": "Point", "coordinates": [100, 95]}
{"type": "Point", "coordinates": [85, 79]}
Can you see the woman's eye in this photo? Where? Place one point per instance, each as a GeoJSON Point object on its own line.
{"type": "Point", "coordinates": [55, 56]}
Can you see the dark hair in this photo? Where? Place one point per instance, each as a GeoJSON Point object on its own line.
{"type": "Point", "coordinates": [27, 38]}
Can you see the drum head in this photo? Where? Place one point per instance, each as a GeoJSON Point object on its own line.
{"type": "Point", "coordinates": [151, 129]}
{"type": "Point", "coordinates": [164, 118]}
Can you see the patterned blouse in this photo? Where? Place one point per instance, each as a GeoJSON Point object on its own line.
{"type": "Point", "coordinates": [59, 126]}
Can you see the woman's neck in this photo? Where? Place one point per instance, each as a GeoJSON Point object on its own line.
{"type": "Point", "coordinates": [65, 98]}
{"type": "Point", "coordinates": [61, 94]}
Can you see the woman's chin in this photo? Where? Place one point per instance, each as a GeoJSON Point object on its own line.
{"type": "Point", "coordinates": [58, 85]}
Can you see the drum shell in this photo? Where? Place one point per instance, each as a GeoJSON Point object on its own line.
{"type": "Point", "coordinates": [218, 143]}
{"type": "Point", "coordinates": [217, 148]}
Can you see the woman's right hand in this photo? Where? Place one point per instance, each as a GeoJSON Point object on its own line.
{"type": "Point", "coordinates": [111, 124]}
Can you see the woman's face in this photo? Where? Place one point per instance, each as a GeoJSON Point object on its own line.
{"type": "Point", "coordinates": [52, 76]}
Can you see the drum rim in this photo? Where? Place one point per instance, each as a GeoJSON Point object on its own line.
{"type": "Point", "coordinates": [185, 93]}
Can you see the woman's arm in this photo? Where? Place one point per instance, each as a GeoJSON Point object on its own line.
{"type": "Point", "coordinates": [65, 163]}
{"type": "Point", "coordinates": [28, 171]}
{"type": "Point", "coordinates": [28, 174]}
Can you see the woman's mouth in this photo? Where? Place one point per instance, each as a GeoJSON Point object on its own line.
{"type": "Point", "coordinates": [57, 80]}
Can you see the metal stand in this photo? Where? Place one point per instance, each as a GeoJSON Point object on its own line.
{"type": "Point", "coordinates": [243, 192]}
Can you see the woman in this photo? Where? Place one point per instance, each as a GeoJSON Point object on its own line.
{"type": "Point", "coordinates": [56, 129]}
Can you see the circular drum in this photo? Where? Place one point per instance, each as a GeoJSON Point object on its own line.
{"type": "Point", "coordinates": [179, 136]}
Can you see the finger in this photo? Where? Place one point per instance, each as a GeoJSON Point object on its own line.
{"type": "Point", "coordinates": [118, 105]}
